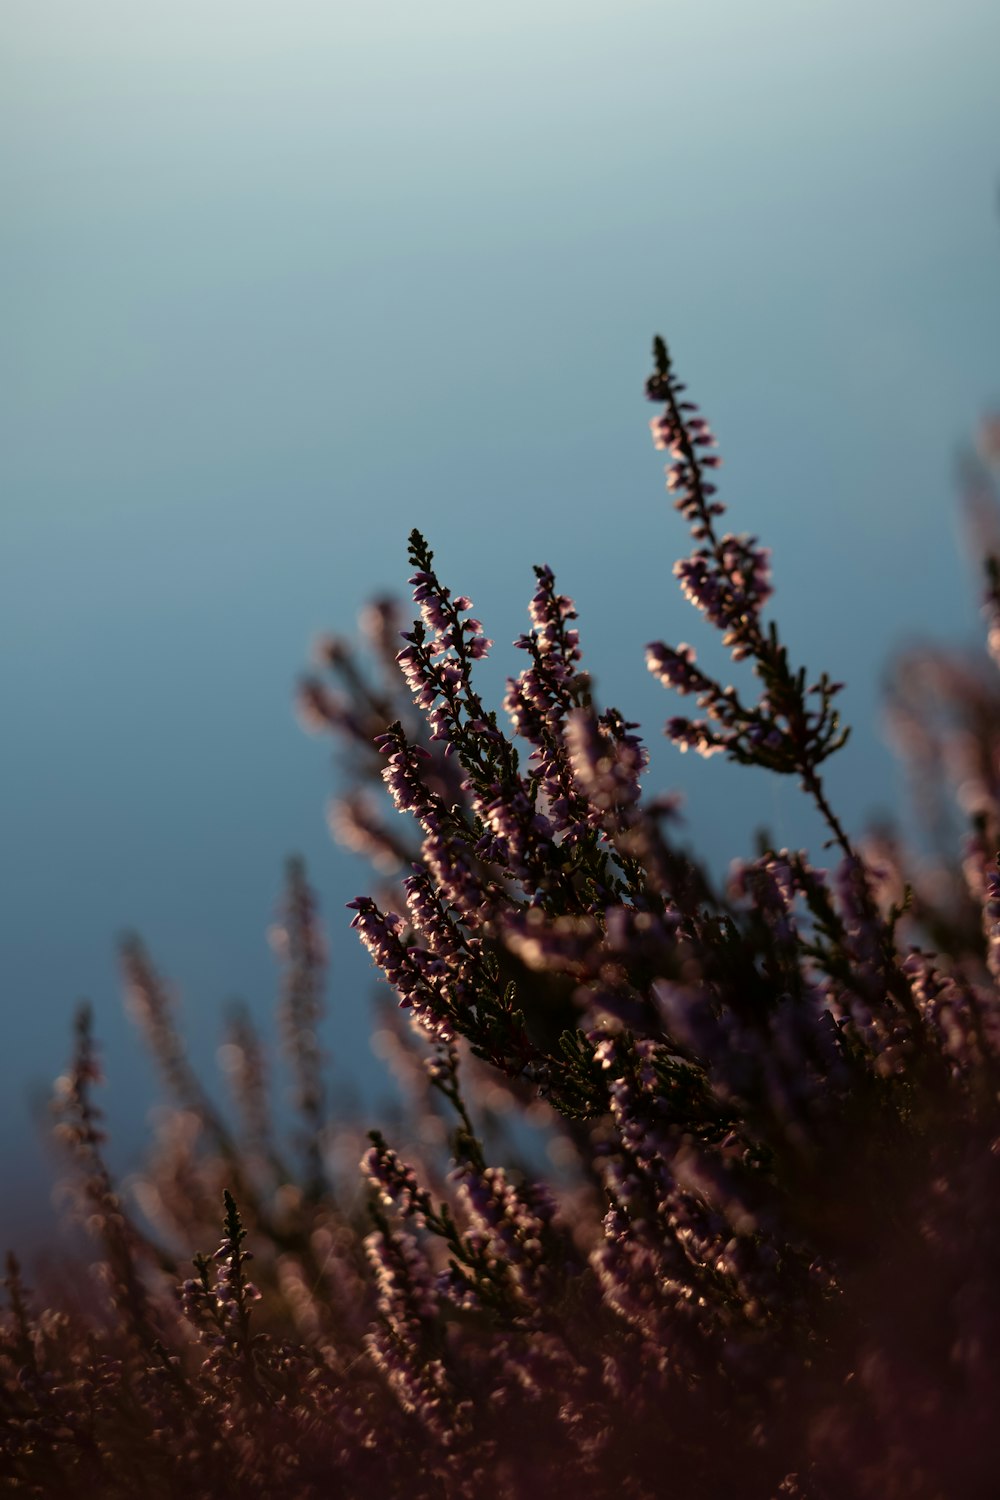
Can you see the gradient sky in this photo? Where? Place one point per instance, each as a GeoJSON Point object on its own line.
{"type": "Point", "coordinates": [281, 281]}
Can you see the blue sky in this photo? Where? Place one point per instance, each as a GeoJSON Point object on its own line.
{"type": "Point", "coordinates": [281, 282]}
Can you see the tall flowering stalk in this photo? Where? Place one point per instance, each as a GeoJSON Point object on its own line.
{"type": "Point", "coordinates": [791, 729]}
{"type": "Point", "coordinates": [300, 944]}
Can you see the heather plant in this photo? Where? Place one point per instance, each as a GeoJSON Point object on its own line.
{"type": "Point", "coordinates": [693, 1190]}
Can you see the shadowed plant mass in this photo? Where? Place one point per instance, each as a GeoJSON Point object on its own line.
{"type": "Point", "coordinates": [693, 1187]}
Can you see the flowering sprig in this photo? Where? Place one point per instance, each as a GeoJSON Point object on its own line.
{"type": "Point", "coordinates": [539, 700]}
{"type": "Point", "coordinates": [437, 666]}
{"type": "Point", "coordinates": [791, 730]}
{"type": "Point", "coordinates": [298, 940]}
{"type": "Point", "coordinates": [503, 1258]}
{"type": "Point", "coordinates": [151, 1006]}
{"type": "Point", "coordinates": [512, 833]}
{"type": "Point", "coordinates": [223, 1302]}
{"type": "Point", "coordinates": [243, 1060]}
{"type": "Point", "coordinates": [475, 1277]}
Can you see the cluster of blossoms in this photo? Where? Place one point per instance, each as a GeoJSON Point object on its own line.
{"type": "Point", "coordinates": [691, 1190]}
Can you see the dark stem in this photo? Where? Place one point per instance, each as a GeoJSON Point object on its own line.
{"type": "Point", "coordinates": [814, 786]}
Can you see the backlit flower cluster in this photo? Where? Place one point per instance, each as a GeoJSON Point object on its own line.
{"type": "Point", "coordinates": [691, 1186]}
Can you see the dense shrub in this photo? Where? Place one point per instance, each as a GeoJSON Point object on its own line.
{"type": "Point", "coordinates": [696, 1190]}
